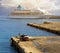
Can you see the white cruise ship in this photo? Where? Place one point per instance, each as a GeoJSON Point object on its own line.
{"type": "Point", "coordinates": [23, 13]}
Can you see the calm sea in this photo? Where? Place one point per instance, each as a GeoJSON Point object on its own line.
{"type": "Point", "coordinates": [11, 27]}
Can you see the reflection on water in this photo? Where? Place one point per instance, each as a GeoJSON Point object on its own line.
{"type": "Point", "coordinates": [11, 27]}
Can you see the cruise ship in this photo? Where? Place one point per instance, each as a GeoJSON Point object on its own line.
{"type": "Point", "coordinates": [20, 12]}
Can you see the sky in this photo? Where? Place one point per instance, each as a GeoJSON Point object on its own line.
{"type": "Point", "coordinates": [50, 6]}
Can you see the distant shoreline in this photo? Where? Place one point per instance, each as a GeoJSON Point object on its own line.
{"type": "Point", "coordinates": [55, 17]}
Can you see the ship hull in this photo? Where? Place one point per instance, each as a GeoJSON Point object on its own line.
{"type": "Point", "coordinates": [23, 16]}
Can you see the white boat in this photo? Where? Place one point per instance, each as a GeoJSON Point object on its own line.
{"type": "Point", "coordinates": [23, 13]}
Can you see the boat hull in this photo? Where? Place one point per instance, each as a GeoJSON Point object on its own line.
{"type": "Point", "coordinates": [25, 16]}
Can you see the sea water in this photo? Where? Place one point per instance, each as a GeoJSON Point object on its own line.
{"type": "Point", "coordinates": [11, 27]}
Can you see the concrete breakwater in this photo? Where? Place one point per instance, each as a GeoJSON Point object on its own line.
{"type": "Point", "coordinates": [53, 27]}
{"type": "Point", "coordinates": [37, 44]}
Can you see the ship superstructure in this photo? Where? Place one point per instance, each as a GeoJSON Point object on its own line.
{"type": "Point", "coordinates": [20, 12]}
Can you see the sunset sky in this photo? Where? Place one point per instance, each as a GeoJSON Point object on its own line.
{"type": "Point", "coordinates": [51, 6]}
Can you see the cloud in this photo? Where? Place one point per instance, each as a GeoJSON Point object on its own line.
{"type": "Point", "coordinates": [51, 6]}
{"type": "Point", "coordinates": [10, 3]}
